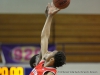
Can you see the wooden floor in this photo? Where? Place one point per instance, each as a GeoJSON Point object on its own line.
{"type": "Point", "coordinates": [77, 35]}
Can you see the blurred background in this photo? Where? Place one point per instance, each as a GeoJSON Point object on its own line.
{"type": "Point", "coordinates": [75, 31]}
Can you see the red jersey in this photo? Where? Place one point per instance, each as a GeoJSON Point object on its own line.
{"type": "Point", "coordinates": [41, 70]}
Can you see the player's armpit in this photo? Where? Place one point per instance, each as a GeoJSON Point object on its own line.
{"type": "Point", "coordinates": [50, 73]}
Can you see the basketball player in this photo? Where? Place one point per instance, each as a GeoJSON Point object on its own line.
{"type": "Point", "coordinates": [49, 60]}
{"type": "Point", "coordinates": [33, 60]}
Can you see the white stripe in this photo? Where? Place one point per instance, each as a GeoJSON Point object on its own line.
{"type": "Point", "coordinates": [34, 71]}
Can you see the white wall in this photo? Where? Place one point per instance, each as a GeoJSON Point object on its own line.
{"type": "Point", "coordinates": [38, 6]}
{"type": "Point", "coordinates": [80, 69]}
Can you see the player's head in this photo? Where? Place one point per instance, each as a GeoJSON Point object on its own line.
{"type": "Point", "coordinates": [55, 58]}
{"type": "Point", "coordinates": [60, 59]}
{"type": "Point", "coordinates": [33, 60]}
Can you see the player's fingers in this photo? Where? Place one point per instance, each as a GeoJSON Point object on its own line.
{"type": "Point", "coordinates": [49, 5]}
{"type": "Point", "coordinates": [55, 11]}
{"type": "Point", "coordinates": [52, 4]}
{"type": "Point", "coordinates": [58, 9]}
{"type": "Point", "coordinates": [46, 10]}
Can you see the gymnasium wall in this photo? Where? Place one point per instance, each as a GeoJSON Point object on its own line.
{"type": "Point", "coordinates": [74, 30]}
{"type": "Point", "coordinates": [38, 6]}
{"type": "Point", "coordinates": [77, 35]}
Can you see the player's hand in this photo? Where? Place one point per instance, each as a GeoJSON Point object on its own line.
{"type": "Point", "coordinates": [51, 9]}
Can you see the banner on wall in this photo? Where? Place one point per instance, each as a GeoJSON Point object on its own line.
{"type": "Point", "coordinates": [15, 53]}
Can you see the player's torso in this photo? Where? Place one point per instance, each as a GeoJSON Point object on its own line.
{"type": "Point", "coordinates": [41, 70]}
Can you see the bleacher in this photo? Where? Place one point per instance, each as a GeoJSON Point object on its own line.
{"type": "Point", "coordinates": [77, 35]}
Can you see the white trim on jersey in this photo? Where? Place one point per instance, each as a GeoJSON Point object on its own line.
{"type": "Point", "coordinates": [50, 67]}
{"type": "Point", "coordinates": [34, 71]}
{"type": "Point", "coordinates": [48, 71]}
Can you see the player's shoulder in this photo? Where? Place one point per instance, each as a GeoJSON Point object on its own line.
{"type": "Point", "coordinates": [42, 61]}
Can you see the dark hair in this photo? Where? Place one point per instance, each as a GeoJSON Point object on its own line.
{"type": "Point", "coordinates": [33, 60]}
{"type": "Point", "coordinates": [60, 59]}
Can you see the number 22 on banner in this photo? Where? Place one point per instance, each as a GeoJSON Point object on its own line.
{"type": "Point", "coordinates": [13, 71]}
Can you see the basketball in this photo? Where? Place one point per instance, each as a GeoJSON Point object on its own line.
{"type": "Point", "coordinates": [61, 4]}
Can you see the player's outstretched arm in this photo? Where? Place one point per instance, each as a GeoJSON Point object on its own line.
{"type": "Point", "coordinates": [51, 11]}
